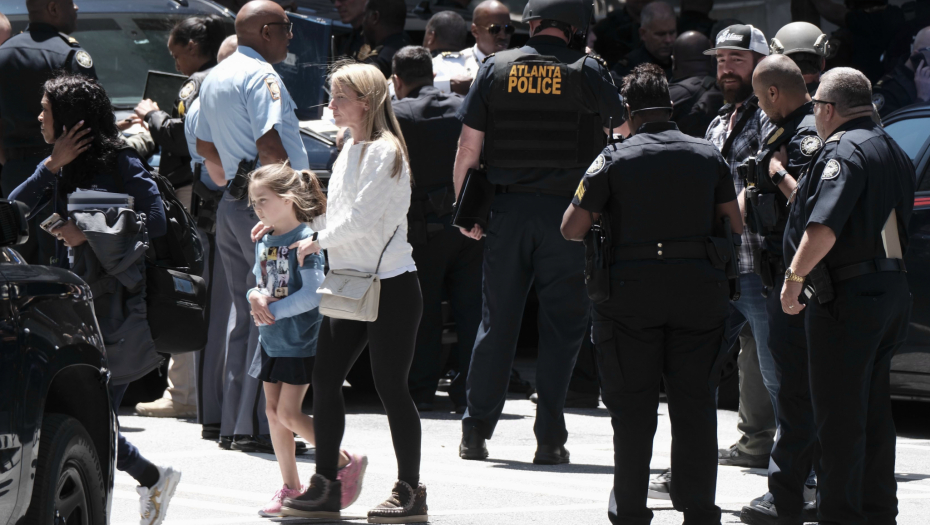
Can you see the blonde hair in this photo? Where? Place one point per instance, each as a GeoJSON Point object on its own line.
{"type": "Point", "coordinates": [368, 83]}
{"type": "Point", "coordinates": [301, 187]}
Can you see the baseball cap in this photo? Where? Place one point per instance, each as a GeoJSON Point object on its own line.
{"type": "Point", "coordinates": [741, 38]}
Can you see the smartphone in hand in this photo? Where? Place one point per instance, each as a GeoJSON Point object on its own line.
{"type": "Point", "coordinates": [53, 221]}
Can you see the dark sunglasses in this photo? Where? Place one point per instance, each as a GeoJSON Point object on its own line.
{"type": "Point", "coordinates": [290, 25]}
{"type": "Point", "coordinates": [495, 29]}
{"type": "Point", "coordinates": [815, 101]}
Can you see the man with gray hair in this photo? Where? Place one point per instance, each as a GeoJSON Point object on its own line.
{"type": "Point", "coordinates": [845, 244]}
{"type": "Point", "coordinates": [658, 31]}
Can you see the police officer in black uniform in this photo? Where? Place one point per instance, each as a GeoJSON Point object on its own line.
{"type": "Point", "coordinates": [194, 43]}
{"type": "Point", "coordinates": [661, 192]}
{"type": "Point", "coordinates": [772, 176]}
{"type": "Point", "coordinates": [898, 89]}
{"type": "Point", "coordinates": [540, 114]}
{"type": "Point", "coordinates": [383, 27]}
{"type": "Point", "coordinates": [695, 96]}
{"type": "Point", "coordinates": [448, 263]}
{"type": "Point", "coordinates": [618, 33]}
{"type": "Point", "coordinates": [808, 46]}
{"type": "Point", "coordinates": [845, 240]}
{"type": "Point", "coordinates": [27, 60]}
{"type": "Point", "coordinates": [658, 31]}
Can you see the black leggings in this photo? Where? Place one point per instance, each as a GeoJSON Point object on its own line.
{"type": "Point", "coordinates": [391, 340]}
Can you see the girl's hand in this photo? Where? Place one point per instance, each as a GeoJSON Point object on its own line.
{"type": "Point", "coordinates": [260, 312]}
{"type": "Point", "coordinates": [69, 145]}
{"type": "Point", "coordinates": [259, 231]}
{"type": "Point", "coordinates": [305, 248]}
{"type": "Point", "coordinates": [70, 234]}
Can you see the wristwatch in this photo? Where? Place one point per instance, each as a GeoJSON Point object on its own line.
{"type": "Point", "coordinates": [779, 176]}
{"type": "Point", "coordinates": [793, 277]}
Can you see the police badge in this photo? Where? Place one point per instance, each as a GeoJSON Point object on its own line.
{"type": "Point", "coordinates": [597, 165]}
{"type": "Point", "coordinates": [186, 90]}
{"type": "Point", "coordinates": [878, 100]}
{"type": "Point", "coordinates": [810, 145]}
{"type": "Point", "coordinates": [831, 170]}
{"type": "Point", "coordinates": [83, 59]}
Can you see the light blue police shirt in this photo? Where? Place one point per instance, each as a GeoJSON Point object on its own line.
{"type": "Point", "coordinates": [190, 122]}
{"type": "Point", "coordinates": [242, 99]}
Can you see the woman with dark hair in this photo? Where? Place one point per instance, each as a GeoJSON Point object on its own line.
{"type": "Point", "coordinates": [87, 154]}
{"type": "Point", "coordinates": [193, 43]}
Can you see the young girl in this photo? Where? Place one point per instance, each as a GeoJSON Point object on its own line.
{"type": "Point", "coordinates": [285, 306]}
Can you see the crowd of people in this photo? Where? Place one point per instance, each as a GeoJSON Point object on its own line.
{"type": "Point", "coordinates": [578, 132]}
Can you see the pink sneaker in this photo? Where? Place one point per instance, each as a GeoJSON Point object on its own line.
{"type": "Point", "coordinates": [351, 477]}
{"type": "Point", "coordinates": [273, 508]}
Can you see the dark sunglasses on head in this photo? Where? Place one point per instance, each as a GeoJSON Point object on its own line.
{"type": "Point", "coordinates": [289, 25]}
{"type": "Point", "coordinates": [495, 29]}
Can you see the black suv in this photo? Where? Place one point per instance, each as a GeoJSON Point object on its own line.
{"type": "Point", "coordinates": [57, 430]}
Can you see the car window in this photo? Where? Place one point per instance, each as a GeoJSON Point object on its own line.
{"type": "Point", "coordinates": [911, 135]}
{"type": "Point", "coordinates": [125, 46]}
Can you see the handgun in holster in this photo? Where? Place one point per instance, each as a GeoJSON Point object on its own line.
{"type": "Point", "coordinates": [770, 267]}
{"type": "Point", "coordinates": [732, 263]}
{"type": "Point", "coordinates": [204, 203]}
{"type": "Point", "coordinates": [598, 258]}
{"type": "Point", "coordinates": [238, 188]}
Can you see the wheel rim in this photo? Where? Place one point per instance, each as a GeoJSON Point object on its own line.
{"type": "Point", "coordinates": [71, 505]}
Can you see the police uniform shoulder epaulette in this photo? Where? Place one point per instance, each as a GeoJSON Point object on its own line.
{"type": "Point", "coordinates": [486, 58]}
{"type": "Point", "coordinates": [835, 137]}
{"type": "Point", "coordinates": [450, 54]}
{"type": "Point", "coordinates": [599, 59]}
{"type": "Point", "coordinates": [70, 40]}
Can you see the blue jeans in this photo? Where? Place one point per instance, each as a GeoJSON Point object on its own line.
{"type": "Point", "coordinates": [128, 458]}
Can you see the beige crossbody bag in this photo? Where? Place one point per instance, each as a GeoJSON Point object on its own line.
{"type": "Point", "coordinates": [350, 294]}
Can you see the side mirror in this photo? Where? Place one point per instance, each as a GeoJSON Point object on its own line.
{"type": "Point", "coordinates": [14, 229]}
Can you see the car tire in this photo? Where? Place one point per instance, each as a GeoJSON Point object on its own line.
{"type": "Point", "coordinates": [69, 486]}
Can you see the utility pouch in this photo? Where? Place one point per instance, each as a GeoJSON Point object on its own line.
{"type": "Point", "coordinates": [204, 205]}
{"type": "Point", "coordinates": [732, 264]}
{"type": "Point", "coordinates": [597, 260]}
{"type": "Point", "coordinates": [819, 284]}
{"type": "Point", "coordinates": [719, 251]}
{"type": "Point", "coordinates": [239, 187]}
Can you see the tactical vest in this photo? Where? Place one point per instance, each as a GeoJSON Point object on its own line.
{"type": "Point", "coordinates": [542, 114]}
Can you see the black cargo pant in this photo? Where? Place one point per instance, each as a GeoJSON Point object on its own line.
{"type": "Point", "coordinates": [664, 320]}
{"type": "Point", "coordinates": [448, 264]}
{"type": "Point", "coordinates": [796, 440]}
{"type": "Point", "coordinates": [851, 341]}
{"type": "Point", "coordinates": [523, 248]}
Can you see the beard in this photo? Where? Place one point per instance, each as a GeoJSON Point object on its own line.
{"type": "Point", "coordinates": [735, 93]}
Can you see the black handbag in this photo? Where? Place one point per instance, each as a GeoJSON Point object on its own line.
{"type": "Point", "coordinates": [176, 302]}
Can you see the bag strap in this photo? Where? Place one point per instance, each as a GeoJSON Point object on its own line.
{"type": "Point", "coordinates": [751, 108]}
{"type": "Point", "coordinates": [385, 248]}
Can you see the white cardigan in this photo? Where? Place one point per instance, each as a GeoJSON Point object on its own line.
{"type": "Point", "coordinates": [364, 206]}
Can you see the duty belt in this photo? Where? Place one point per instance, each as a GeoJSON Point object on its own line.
{"type": "Point", "coordinates": [662, 250]}
{"type": "Point", "coordinates": [25, 153]}
{"type": "Point", "coordinates": [864, 268]}
{"type": "Point", "coordinates": [514, 188]}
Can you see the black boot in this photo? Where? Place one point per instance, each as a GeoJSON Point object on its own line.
{"type": "Point", "coordinates": [473, 445]}
{"type": "Point", "coordinates": [322, 500]}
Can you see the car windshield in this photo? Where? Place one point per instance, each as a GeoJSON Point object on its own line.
{"type": "Point", "coordinates": [910, 134]}
{"type": "Point", "coordinates": [124, 47]}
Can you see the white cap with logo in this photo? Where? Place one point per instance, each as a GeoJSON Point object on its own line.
{"type": "Point", "coordinates": [741, 38]}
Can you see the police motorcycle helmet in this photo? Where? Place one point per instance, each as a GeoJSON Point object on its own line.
{"type": "Point", "coordinates": [801, 37]}
{"type": "Point", "coordinates": [561, 14]}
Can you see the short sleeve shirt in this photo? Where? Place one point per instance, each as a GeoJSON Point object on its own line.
{"type": "Point", "coordinates": [190, 123]}
{"type": "Point", "coordinates": [659, 185]}
{"type": "Point", "coordinates": [242, 99]}
{"type": "Point", "coordinates": [853, 184]}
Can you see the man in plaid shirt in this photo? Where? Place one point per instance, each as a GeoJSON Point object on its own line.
{"type": "Point", "coordinates": [738, 131]}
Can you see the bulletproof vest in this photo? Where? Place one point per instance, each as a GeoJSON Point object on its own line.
{"type": "Point", "coordinates": [703, 95]}
{"type": "Point", "coordinates": [772, 203]}
{"type": "Point", "coordinates": [542, 114]}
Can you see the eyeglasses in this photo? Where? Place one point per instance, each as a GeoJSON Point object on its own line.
{"type": "Point", "coordinates": [815, 101]}
{"type": "Point", "coordinates": [290, 25]}
{"type": "Point", "coordinates": [494, 29]}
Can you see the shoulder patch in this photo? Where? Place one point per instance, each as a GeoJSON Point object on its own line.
{"type": "Point", "coordinates": [831, 170]}
{"type": "Point", "coordinates": [810, 145]}
{"type": "Point", "coordinates": [187, 90]}
{"type": "Point", "coordinates": [878, 100]}
{"type": "Point", "coordinates": [775, 135]}
{"type": "Point", "coordinates": [597, 165]}
{"type": "Point", "coordinates": [273, 88]}
{"type": "Point", "coordinates": [83, 59]}
{"type": "Point", "coordinates": [835, 137]}
{"type": "Point", "coordinates": [486, 57]}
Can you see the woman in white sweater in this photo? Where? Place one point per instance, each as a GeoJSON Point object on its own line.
{"type": "Point", "coordinates": [368, 198]}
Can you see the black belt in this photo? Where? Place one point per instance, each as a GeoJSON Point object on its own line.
{"type": "Point", "coordinates": [25, 153]}
{"type": "Point", "coordinates": [513, 188]}
{"type": "Point", "coordinates": [864, 268]}
{"type": "Point", "coordinates": [662, 250]}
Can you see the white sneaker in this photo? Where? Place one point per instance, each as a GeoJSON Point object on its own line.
{"type": "Point", "coordinates": [153, 502]}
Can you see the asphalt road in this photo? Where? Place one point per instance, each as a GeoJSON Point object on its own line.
{"type": "Point", "coordinates": [227, 487]}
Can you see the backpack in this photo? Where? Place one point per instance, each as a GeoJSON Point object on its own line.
{"type": "Point", "coordinates": [176, 295]}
